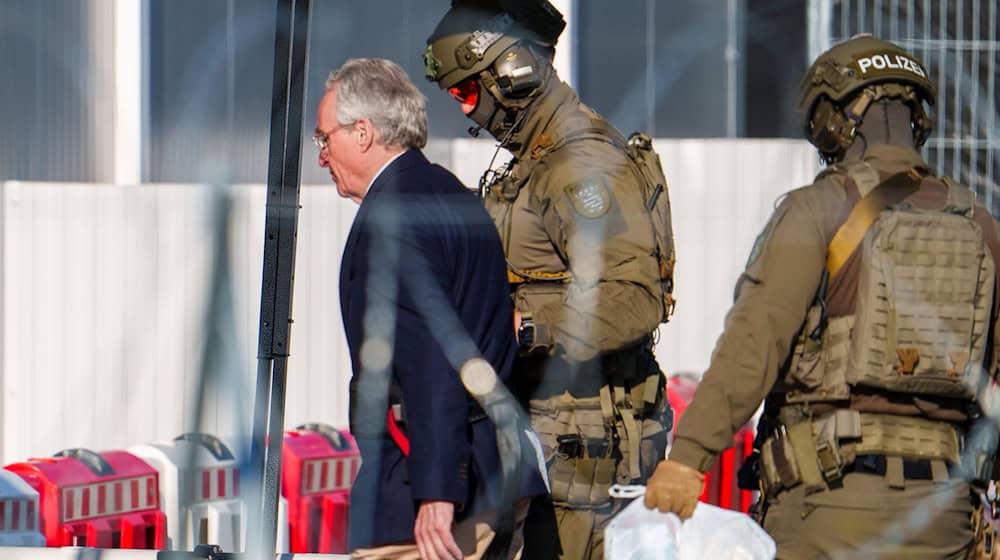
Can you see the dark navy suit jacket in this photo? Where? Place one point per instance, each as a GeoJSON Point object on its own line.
{"type": "Point", "coordinates": [423, 287]}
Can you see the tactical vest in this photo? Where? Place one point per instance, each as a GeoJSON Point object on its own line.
{"type": "Point", "coordinates": [923, 304]}
{"type": "Point", "coordinates": [649, 173]}
{"type": "Point", "coordinates": [629, 411]}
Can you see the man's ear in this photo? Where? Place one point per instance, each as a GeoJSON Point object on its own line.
{"type": "Point", "coordinates": [365, 134]}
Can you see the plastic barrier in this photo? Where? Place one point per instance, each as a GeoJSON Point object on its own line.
{"type": "Point", "coordinates": [18, 512]}
{"type": "Point", "coordinates": [200, 491]}
{"type": "Point", "coordinates": [720, 481]}
{"type": "Point", "coordinates": [108, 500]}
{"type": "Point", "coordinates": [319, 464]}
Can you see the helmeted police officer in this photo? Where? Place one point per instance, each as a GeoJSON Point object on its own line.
{"type": "Point", "coordinates": [584, 217]}
{"type": "Point", "coordinates": [865, 318]}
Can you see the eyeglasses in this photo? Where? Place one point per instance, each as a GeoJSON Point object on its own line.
{"type": "Point", "coordinates": [320, 138]}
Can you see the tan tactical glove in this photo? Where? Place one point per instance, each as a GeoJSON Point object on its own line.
{"type": "Point", "coordinates": [674, 487]}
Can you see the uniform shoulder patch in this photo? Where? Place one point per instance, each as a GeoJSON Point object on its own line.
{"type": "Point", "coordinates": [590, 198]}
{"type": "Point", "coordinates": [764, 235]}
{"type": "Point", "coordinates": [758, 246]}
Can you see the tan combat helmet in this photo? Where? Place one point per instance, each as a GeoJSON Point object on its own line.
{"type": "Point", "coordinates": [493, 56]}
{"type": "Point", "coordinates": [473, 34]}
{"type": "Point", "coordinates": [843, 82]}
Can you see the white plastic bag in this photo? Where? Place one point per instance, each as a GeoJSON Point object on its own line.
{"type": "Point", "coordinates": [638, 533]}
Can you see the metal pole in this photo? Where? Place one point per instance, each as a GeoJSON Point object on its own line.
{"type": "Point", "coordinates": [651, 67]}
{"type": "Point", "coordinates": [991, 96]}
{"type": "Point", "coordinates": [734, 48]}
{"type": "Point", "coordinates": [280, 225]}
{"type": "Point", "coordinates": [821, 22]}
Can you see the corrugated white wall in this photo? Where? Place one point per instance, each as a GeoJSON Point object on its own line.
{"type": "Point", "coordinates": [104, 289]}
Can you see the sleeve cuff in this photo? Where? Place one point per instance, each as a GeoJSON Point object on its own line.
{"type": "Point", "coordinates": [436, 486]}
{"type": "Point", "coordinates": [689, 453]}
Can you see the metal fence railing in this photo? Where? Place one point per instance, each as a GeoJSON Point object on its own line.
{"type": "Point", "coordinates": [957, 40]}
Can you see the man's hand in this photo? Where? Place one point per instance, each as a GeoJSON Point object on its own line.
{"type": "Point", "coordinates": [433, 531]}
{"type": "Point", "coordinates": [517, 323]}
{"type": "Point", "coordinates": [674, 487]}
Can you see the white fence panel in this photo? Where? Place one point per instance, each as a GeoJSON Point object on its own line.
{"type": "Point", "coordinates": [104, 291]}
{"type": "Point", "coordinates": [722, 193]}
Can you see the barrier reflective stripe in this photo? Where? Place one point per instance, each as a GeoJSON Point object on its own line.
{"type": "Point", "coordinates": [109, 498]}
{"type": "Point", "coordinates": [217, 484]}
{"type": "Point", "coordinates": [329, 475]}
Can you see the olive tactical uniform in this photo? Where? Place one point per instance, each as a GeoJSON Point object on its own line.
{"type": "Point", "coordinates": [583, 215]}
{"type": "Point", "coordinates": [865, 318]}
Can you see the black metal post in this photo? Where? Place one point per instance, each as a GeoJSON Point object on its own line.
{"type": "Point", "coordinates": [281, 223]}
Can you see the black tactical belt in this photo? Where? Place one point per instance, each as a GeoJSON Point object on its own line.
{"type": "Point", "coordinates": [542, 377]}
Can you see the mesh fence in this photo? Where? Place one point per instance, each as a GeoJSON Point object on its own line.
{"type": "Point", "coordinates": [957, 41]}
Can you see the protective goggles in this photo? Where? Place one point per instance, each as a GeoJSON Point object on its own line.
{"type": "Point", "coordinates": [467, 94]}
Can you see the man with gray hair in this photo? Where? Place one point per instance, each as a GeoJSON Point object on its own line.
{"type": "Point", "coordinates": [423, 296]}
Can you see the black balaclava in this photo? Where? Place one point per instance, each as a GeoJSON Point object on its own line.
{"type": "Point", "coordinates": [887, 121]}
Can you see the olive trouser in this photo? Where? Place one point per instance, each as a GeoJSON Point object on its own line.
{"type": "Point", "coordinates": [865, 518]}
{"type": "Point", "coordinates": [582, 506]}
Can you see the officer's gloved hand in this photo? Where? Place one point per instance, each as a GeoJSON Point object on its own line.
{"type": "Point", "coordinates": [674, 487]}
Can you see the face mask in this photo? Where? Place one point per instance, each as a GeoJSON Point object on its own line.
{"type": "Point", "coordinates": [480, 105]}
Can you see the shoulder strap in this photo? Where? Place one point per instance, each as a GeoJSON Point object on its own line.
{"type": "Point", "coordinates": [847, 238]}
{"type": "Point", "coordinates": [961, 200]}
{"type": "Point", "coordinates": [598, 130]}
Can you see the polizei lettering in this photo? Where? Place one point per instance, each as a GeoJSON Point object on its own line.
{"type": "Point", "coordinates": [890, 62]}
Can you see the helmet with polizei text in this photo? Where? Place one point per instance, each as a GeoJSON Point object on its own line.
{"type": "Point", "coordinates": [843, 82]}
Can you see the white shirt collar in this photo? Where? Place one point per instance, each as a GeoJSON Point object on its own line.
{"type": "Point", "coordinates": [384, 165]}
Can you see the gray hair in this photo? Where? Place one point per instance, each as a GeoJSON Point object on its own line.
{"type": "Point", "coordinates": [380, 91]}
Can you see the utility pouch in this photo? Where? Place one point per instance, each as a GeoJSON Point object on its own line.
{"type": "Point", "coordinates": [579, 490]}
{"type": "Point", "coordinates": [581, 482]}
{"type": "Point", "coordinates": [779, 470]}
{"type": "Point", "coordinates": [534, 294]}
{"type": "Point", "coordinates": [604, 474]}
{"type": "Point", "coordinates": [561, 474]}
{"type": "Point", "coordinates": [819, 361]}
{"type": "Point", "coordinates": [806, 366]}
